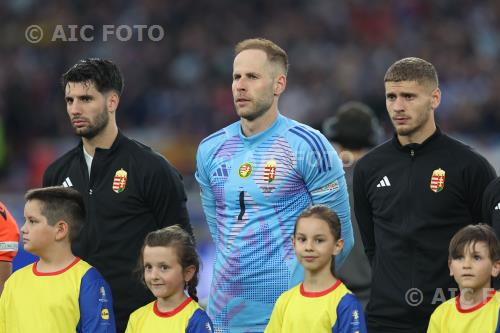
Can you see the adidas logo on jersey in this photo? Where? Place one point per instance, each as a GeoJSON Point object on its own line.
{"type": "Point", "coordinates": [67, 182]}
{"type": "Point", "coordinates": [384, 182]}
{"type": "Point", "coordinates": [497, 207]}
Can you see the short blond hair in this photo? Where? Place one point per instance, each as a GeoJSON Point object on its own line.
{"type": "Point", "coordinates": [412, 69]}
{"type": "Point", "coordinates": [275, 54]}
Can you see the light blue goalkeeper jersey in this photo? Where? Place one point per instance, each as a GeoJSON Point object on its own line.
{"type": "Point", "coordinates": [252, 190]}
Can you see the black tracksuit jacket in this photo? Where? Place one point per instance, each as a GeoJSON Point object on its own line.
{"type": "Point", "coordinates": [117, 222]}
{"type": "Point", "coordinates": [406, 227]}
{"type": "Point", "coordinates": [491, 205]}
{"type": "Point", "coordinates": [491, 213]}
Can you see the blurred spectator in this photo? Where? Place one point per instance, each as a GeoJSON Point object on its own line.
{"type": "Point", "coordinates": [353, 130]}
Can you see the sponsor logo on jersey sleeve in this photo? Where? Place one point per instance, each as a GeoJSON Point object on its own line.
{"type": "Point", "coordinates": [8, 246]}
{"type": "Point", "coordinates": [120, 181]}
{"type": "Point", "coordinates": [270, 171]}
{"type": "Point", "coordinates": [355, 318]}
{"type": "Point", "coordinates": [245, 170]}
{"type": "Point", "coordinates": [437, 180]}
{"type": "Point", "coordinates": [105, 314]}
{"type": "Point", "coordinates": [330, 187]}
{"type": "Point", "coordinates": [102, 293]}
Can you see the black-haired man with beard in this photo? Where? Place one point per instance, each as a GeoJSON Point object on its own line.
{"type": "Point", "coordinates": [129, 189]}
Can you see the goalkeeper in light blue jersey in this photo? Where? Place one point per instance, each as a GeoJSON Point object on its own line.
{"type": "Point", "coordinates": [256, 176]}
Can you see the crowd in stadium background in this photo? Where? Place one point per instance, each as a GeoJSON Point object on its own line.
{"type": "Point", "coordinates": [177, 90]}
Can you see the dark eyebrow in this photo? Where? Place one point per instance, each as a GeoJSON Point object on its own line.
{"type": "Point", "coordinates": [316, 235]}
{"type": "Point", "coordinates": [86, 96]}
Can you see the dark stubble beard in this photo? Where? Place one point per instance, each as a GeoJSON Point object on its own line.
{"type": "Point", "coordinates": [100, 123]}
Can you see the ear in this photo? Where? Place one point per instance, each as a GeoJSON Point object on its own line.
{"type": "Point", "coordinates": [112, 101]}
{"type": "Point", "coordinates": [189, 273]}
{"type": "Point", "coordinates": [495, 270]}
{"type": "Point", "coordinates": [61, 230]}
{"type": "Point", "coordinates": [293, 241]}
{"type": "Point", "coordinates": [435, 98]}
{"type": "Point", "coordinates": [279, 84]}
{"type": "Point", "coordinates": [449, 267]}
{"type": "Point", "coordinates": [339, 245]}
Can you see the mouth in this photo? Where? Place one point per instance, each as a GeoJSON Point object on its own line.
{"type": "Point", "coordinates": [242, 100]}
{"type": "Point", "coordinates": [309, 258]}
{"type": "Point", "coordinates": [78, 122]}
{"type": "Point", "coordinates": [400, 120]}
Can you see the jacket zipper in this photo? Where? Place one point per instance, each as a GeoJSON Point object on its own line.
{"type": "Point", "coordinates": [410, 189]}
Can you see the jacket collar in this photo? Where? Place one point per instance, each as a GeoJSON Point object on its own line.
{"type": "Point", "coordinates": [417, 146]}
{"type": "Point", "coordinates": [111, 149]}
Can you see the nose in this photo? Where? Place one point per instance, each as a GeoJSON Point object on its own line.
{"type": "Point", "coordinates": [74, 108]}
{"type": "Point", "coordinates": [467, 262]}
{"type": "Point", "coordinates": [23, 228]}
{"type": "Point", "coordinates": [154, 273]}
{"type": "Point", "coordinates": [398, 105]}
{"type": "Point", "coordinates": [309, 245]}
{"type": "Point", "coordinates": [240, 84]}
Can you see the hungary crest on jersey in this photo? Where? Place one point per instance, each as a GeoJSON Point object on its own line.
{"type": "Point", "coordinates": [437, 180]}
{"type": "Point", "coordinates": [270, 171]}
{"type": "Point", "coordinates": [120, 181]}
